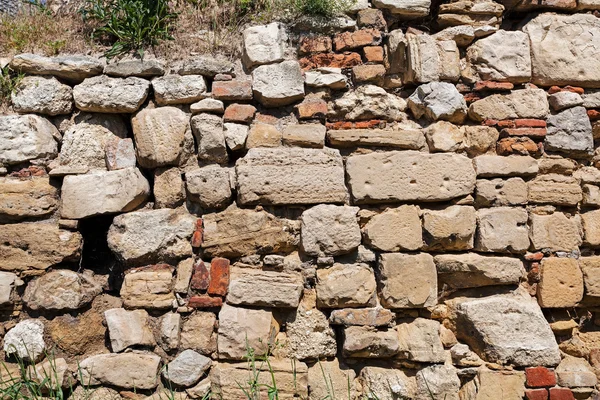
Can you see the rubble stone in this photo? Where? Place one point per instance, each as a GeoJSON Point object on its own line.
{"type": "Point", "coordinates": [407, 280]}
{"type": "Point", "coordinates": [329, 230]}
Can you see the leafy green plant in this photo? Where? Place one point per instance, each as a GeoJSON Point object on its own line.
{"type": "Point", "coordinates": [321, 8]}
{"type": "Point", "coordinates": [129, 25]}
{"type": "Point", "coordinates": [9, 80]}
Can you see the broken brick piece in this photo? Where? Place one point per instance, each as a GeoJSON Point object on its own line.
{"type": "Point", "coordinates": [355, 39]}
{"type": "Point", "coordinates": [243, 113]}
{"type": "Point", "coordinates": [530, 123]}
{"type": "Point", "coordinates": [568, 88]}
{"type": "Point", "coordinates": [471, 97]}
{"type": "Point", "coordinates": [561, 394]}
{"type": "Point", "coordinates": [345, 60]}
{"type": "Point", "coordinates": [205, 301]}
{"type": "Point", "coordinates": [200, 276]}
{"type": "Point", "coordinates": [593, 115]}
{"type": "Point", "coordinates": [492, 85]}
{"type": "Point", "coordinates": [197, 236]}
{"type": "Point", "coordinates": [311, 108]}
{"type": "Point", "coordinates": [536, 394]}
{"type": "Point", "coordinates": [314, 44]}
{"type": "Point", "coordinates": [219, 276]}
{"type": "Point", "coordinates": [540, 377]}
{"type": "Point", "coordinates": [530, 132]}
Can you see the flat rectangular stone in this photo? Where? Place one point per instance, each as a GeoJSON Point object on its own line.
{"type": "Point", "coordinates": [491, 166]}
{"type": "Point", "coordinates": [406, 139]}
{"type": "Point", "coordinates": [254, 287]}
{"type": "Point", "coordinates": [290, 176]}
{"type": "Point", "coordinates": [474, 270]}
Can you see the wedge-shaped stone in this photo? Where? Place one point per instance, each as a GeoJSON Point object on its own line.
{"type": "Point", "coordinates": [128, 329]}
{"type": "Point", "coordinates": [329, 230]}
{"type": "Point", "coordinates": [525, 103]}
{"type": "Point", "coordinates": [70, 67]}
{"type": "Point", "coordinates": [452, 228]}
{"type": "Point", "coordinates": [368, 342]}
{"type": "Point", "coordinates": [37, 246]}
{"type": "Point", "coordinates": [404, 139]}
{"type": "Point", "coordinates": [555, 232]}
{"type": "Point", "coordinates": [239, 232]}
{"type": "Point", "coordinates": [103, 193]}
{"type": "Point", "coordinates": [395, 229]}
{"type": "Point", "coordinates": [508, 329]}
{"type": "Point", "coordinates": [474, 270]}
{"type": "Point", "coordinates": [127, 370]}
{"type": "Point", "coordinates": [408, 176]}
{"type": "Point", "coordinates": [419, 340]}
{"type": "Point", "coordinates": [290, 176]}
{"type": "Point", "coordinates": [61, 290]}
{"type": "Point", "coordinates": [555, 189]}
{"type": "Point", "coordinates": [407, 280]}
{"type": "Point", "coordinates": [148, 287]}
{"type": "Point", "coordinates": [26, 137]}
{"type": "Point", "coordinates": [561, 283]}
{"type": "Point", "coordinates": [489, 165]}
{"type": "Point", "coordinates": [42, 95]}
{"type": "Point", "coordinates": [33, 197]}
{"type": "Point", "coordinates": [346, 285]}
{"type": "Point", "coordinates": [111, 95]}
{"type": "Point", "coordinates": [502, 230]}
{"type": "Point", "coordinates": [254, 287]}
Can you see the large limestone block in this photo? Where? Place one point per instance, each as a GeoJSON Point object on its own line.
{"type": "Point", "coordinates": [368, 102]}
{"type": "Point", "coordinates": [407, 280]}
{"type": "Point", "coordinates": [144, 237]}
{"type": "Point", "coordinates": [555, 232]}
{"type": "Point", "coordinates": [25, 340]}
{"type": "Point", "coordinates": [61, 290]}
{"type": "Point", "coordinates": [474, 270]}
{"type": "Point", "coordinates": [524, 103]}
{"type": "Point", "coordinates": [128, 329]}
{"type": "Point", "coordinates": [239, 232]}
{"type": "Point", "coordinates": [149, 287]}
{"type": "Point", "coordinates": [395, 229]}
{"type": "Point", "coordinates": [438, 101]}
{"type": "Point", "coordinates": [346, 285]}
{"type": "Point", "coordinates": [290, 176]}
{"type": "Point", "coordinates": [37, 245]}
{"type": "Point", "coordinates": [503, 57]}
{"type": "Point", "coordinates": [405, 9]}
{"type": "Point", "coordinates": [376, 382]}
{"type": "Point", "coordinates": [263, 44]}
{"type": "Point", "coordinates": [430, 60]}
{"type": "Point", "coordinates": [243, 328]}
{"type": "Point", "coordinates": [502, 230]}
{"type": "Point", "coordinates": [33, 197]}
{"type": "Point", "coordinates": [564, 49]}
{"type": "Point", "coordinates": [570, 132]}
{"type": "Point", "coordinates": [278, 85]}
{"type": "Point", "coordinates": [111, 95]}
{"type": "Point", "coordinates": [561, 283]}
{"type": "Point", "coordinates": [177, 89]}
{"type": "Point", "coordinates": [590, 266]}
{"type": "Point", "coordinates": [500, 192]}
{"type": "Point", "coordinates": [257, 288]}
{"type": "Point", "coordinates": [42, 95]}
{"type": "Point", "coordinates": [452, 228]}
{"type": "Point", "coordinates": [329, 230]}
{"type": "Point", "coordinates": [508, 329]}
{"type": "Point", "coordinates": [126, 370]}
{"type": "Point", "coordinates": [103, 193]}
{"type": "Point", "coordinates": [159, 135]}
{"type": "Point", "coordinates": [26, 137]}
{"type": "Point", "coordinates": [70, 67]}
{"type": "Point", "coordinates": [199, 333]}
{"type": "Point", "coordinates": [555, 189]}
{"type": "Point", "coordinates": [409, 176]}
{"type": "Point", "coordinates": [340, 378]}
{"type": "Point", "coordinates": [489, 165]}
{"type": "Point", "coordinates": [419, 340]}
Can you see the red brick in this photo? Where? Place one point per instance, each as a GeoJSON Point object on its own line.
{"type": "Point", "coordinates": [518, 145]}
{"type": "Point", "coordinates": [205, 301]}
{"type": "Point", "coordinates": [28, 172]}
{"type": "Point", "coordinates": [593, 115]}
{"type": "Point", "coordinates": [490, 122]}
{"type": "Point", "coordinates": [368, 73]}
{"type": "Point", "coordinates": [200, 276]}
{"type": "Point", "coordinates": [561, 394]}
{"type": "Point", "coordinates": [530, 132]}
{"type": "Point", "coordinates": [219, 276]}
{"type": "Point", "coordinates": [197, 237]}
{"type": "Point", "coordinates": [536, 394]}
{"type": "Point", "coordinates": [534, 256]}
{"type": "Point", "coordinates": [312, 108]}
{"type": "Point", "coordinates": [314, 44]}
{"type": "Point", "coordinates": [533, 275]}
{"type": "Point", "coordinates": [243, 113]}
{"type": "Point", "coordinates": [374, 123]}
{"type": "Point", "coordinates": [373, 54]}
{"type": "Point", "coordinates": [234, 90]}
{"type": "Point", "coordinates": [530, 123]}
{"type": "Point", "coordinates": [492, 85]}
{"type": "Point", "coordinates": [471, 97]}
{"type": "Point", "coordinates": [345, 60]}
{"type": "Point", "coordinates": [506, 123]}
{"type": "Point", "coordinates": [355, 39]}
{"type": "Point", "coordinates": [372, 18]}
{"type": "Point", "coordinates": [540, 377]}
{"type": "Point", "coordinates": [568, 88]}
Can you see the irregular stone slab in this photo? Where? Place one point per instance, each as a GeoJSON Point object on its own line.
{"type": "Point", "coordinates": [346, 285]}
{"type": "Point", "coordinates": [407, 280]}
{"type": "Point", "coordinates": [144, 237]}
{"type": "Point", "coordinates": [326, 77]}
{"type": "Point", "coordinates": [210, 137]}
{"type": "Point", "coordinates": [25, 340]}
{"type": "Point", "coordinates": [170, 326]}
{"type": "Point", "coordinates": [52, 374]}
{"type": "Point", "coordinates": [502, 230]}
{"type": "Point", "coordinates": [144, 68]}
{"type": "Point", "coordinates": [120, 154]}
{"type": "Point", "coordinates": [452, 228]}
{"type": "Point", "coordinates": [148, 287]}
{"type": "Point", "coordinates": [329, 230]}
{"type": "Point", "coordinates": [278, 85]}
{"type": "Point", "coordinates": [103, 193]}
{"type": "Point", "coordinates": [127, 370]}
{"type": "Point", "coordinates": [561, 100]}
{"type": "Point", "coordinates": [253, 287]}
{"type": "Point", "coordinates": [438, 101]}
{"type": "Point", "coordinates": [489, 165]}
{"type": "Point", "coordinates": [570, 132]}
{"type": "Point", "coordinates": [362, 316]}
{"type": "Point", "coordinates": [304, 135]}
{"type": "Point", "coordinates": [340, 379]}
{"type": "Point", "coordinates": [159, 135]}
{"type": "Point", "coordinates": [178, 89]}
{"type": "Point", "coordinates": [485, 15]}
{"type": "Point", "coordinates": [403, 139]}
{"type": "Point", "coordinates": [37, 245]}
{"type": "Point", "coordinates": [128, 329]}
{"type": "Point", "coordinates": [71, 67]}
{"type": "Point", "coordinates": [439, 382]}
{"type": "Point", "coordinates": [556, 232]}
{"type": "Point", "coordinates": [33, 197]}
{"type": "Point", "coordinates": [430, 60]}
{"type": "Point", "coordinates": [235, 135]}
{"type": "Point", "coordinates": [507, 330]}
{"type": "Point", "coordinates": [444, 136]}
{"type": "Point", "coordinates": [420, 341]}
{"type": "Point", "coordinates": [572, 58]}
{"type": "Point", "coordinates": [240, 328]}
{"type": "Point", "coordinates": [208, 105]}
{"type": "Point", "coordinates": [501, 192]}
{"type": "Point", "coordinates": [368, 102]}
{"type": "Point", "coordinates": [263, 44]}
{"type": "Point", "coordinates": [8, 281]}
{"type": "Point", "coordinates": [26, 137]}
{"type": "Point", "coordinates": [61, 290]}
{"type": "Point", "coordinates": [198, 333]}
{"type": "Point", "coordinates": [187, 368]}
{"type": "Point", "coordinates": [290, 176]}
{"type": "Point", "coordinates": [42, 95]}
{"type": "Point", "coordinates": [376, 382]}
{"type": "Point", "coordinates": [169, 189]}
{"type": "Point", "coordinates": [474, 270]}
{"type": "Point", "coordinates": [205, 65]}
{"type": "Point", "coordinates": [111, 95]}
{"type": "Point", "coordinates": [525, 103]}
{"type": "Point", "coordinates": [575, 372]}
{"type": "Point", "coordinates": [411, 9]}
{"type": "Point", "coordinates": [368, 342]}
{"type": "Point", "coordinates": [408, 176]}
{"type": "Point", "coordinates": [99, 393]}
{"type": "Point", "coordinates": [561, 283]}
{"type": "Point", "coordinates": [554, 189]}
{"type": "Point", "coordinates": [395, 229]}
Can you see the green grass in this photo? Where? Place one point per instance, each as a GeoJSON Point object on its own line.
{"type": "Point", "coordinates": [9, 80]}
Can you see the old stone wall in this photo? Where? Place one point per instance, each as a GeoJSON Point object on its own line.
{"type": "Point", "coordinates": [388, 213]}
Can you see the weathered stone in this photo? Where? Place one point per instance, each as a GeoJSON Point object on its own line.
{"type": "Point", "coordinates": [340, 379]}
{"type": "Point", "coordinates": [412, 9]}
{"type": "Point", "coordinates": [103, 193]}
{"type": "Point", "coordinates": [438, 100]}
{"type": "Point", "coordinates": [178, 89]}
{"type": "Point", "coordinates": [354, 39]}
{"type": "Point", "coordinates": [430, 60]}
{"type": "Point", "coordinates": [25, 340]}
{"type": "Point", "coordinates": [263, 135]}
{"type": "Point", "coordinates": [452, 228]}
{"type": "Point", "coordinates": [278, 85]}
{"type": "Point", "coordinates": [474, 270]}
{"type": "Point", "coordinates": [127, 370]}
{"type": "Point", "coordinates": [208, 105]}
{"type": "Point", "coordinates": [463, 35]}
{"type": "Point", "coordinates": [290, 176]}
{"type": "Point", "coordinates": [368, 102]}
{"type": "Point", "coordinates": [420, 341]}
{"type": "Point", "coordinates": [395, 229]}
{"type": "Point", "coordinates": [510, 383]}
{"type": "Point", "coordinates": [326, 77]}
{"type": "Point", "coordinates": [198, 333]}
{"type": "Point", "coordinates": [71, 67]}
{"type": "Point", "coordinates": [149, 287]}
{"type": "Point", "coordinates": [438, 381]}
{"type": "Point", "coordinates": [574, 372]}
{"type": "Point", "coordinates": [555, 189]}
{"type": "Point", "coordinates": [33, 197]}
{"type": "Point", "coordinates": [556, 232]}
{"type": "Point", "coordinates": [119, 154]}
{"type": "Point", "coordinates": [8, 282]}
{"type": "Point", "coordinates": [561, 283]}
{"type": "Point", "coordinates": [407, 280]}
{"type": "Point", "coordinates": [205, 65]}
{"type": "Point", "coordinates": [145, 68]}
{"type": "Point", "coordinates": [170, 326]}
{"type": "Point", "coordinates": [502, 230]}
{"type": "Point", "coordinates": [485, 15]}
{"type": "Point", "coordinates": [591, 195]}
{"type": "Point", "coordinates": [346, 285]}
{"type": "Point", "coordinates": [368, 342]}
{"type": "Point", "coordinates": [200, 390]}
{"type": "Point", "coordinates": [387, 383]}
{"type": "Point", "coordinates": [98, 393]}
{"type": "Point", "coordinates": [61, 290]}
{"type": "Point", "coordinates": [462, 356]}
{"type": "Point", "coordinates": [144, 237]}
{"type": "Point", "coordinates": [406, 139]}
{"type": "Point", "coordinates": [507, 329]}
{"type": "Point", "coordinates": [570, 132]}
{"type": "Point", "coordinates": [209, 186]}
{"type": "Point", "coordinates": [252, 287]}
{"type": "Point", "coordinates": [329, 230]}
{"type": "Point", "coordinates": [208, 130]}
{"type": "Point", "coordinates": [111, 95]}
{"type": "Point", "coordinates": [480, 139]}
{"type": "Point", "coordinates": [42, 95]}
{"type": "Point", "coordinates": [243, 328]}
{"type": "Point", "coordinates": [159, 136]}
{"type": "Point", "coordinates": [561, 100]}
{"type": "Point", "coordinates": [234, 90]}
{"type": "Point", "coordinates": [169, 190]}
{"type": "Point", "coordinates": [26, 137]}
{"type": "Point", "coordinates": [263, 44]}
{"type": "Point", "coordinates": [591, 227]}
{"type": "Point", "coordinates": [361, 316]}
{"type": "Point", "coordinates": [235, 135]}
{"type": "Point", "coordinates": [51, 374]}
{"type": "Point", "coordinates": [37, 245]}
{"type": "Point", "coordinates": [590, 268]}
{"type": "Point", "coordinates": [305, 135]}
{"type": "Point", "coordinates": [444, 136]}
{"type": "Point", "coordinates": [409, 175]}
{"type": "Point", "coordinates": [187, 368]}
{"type": "Point", "coordinates": [488, 166]}
{"type": "Point", "coordinates": [525, 103]}
{"type": "Point", "coordinates": [128, 329]}
{"type": "Point", "coordinates": [569, 60]}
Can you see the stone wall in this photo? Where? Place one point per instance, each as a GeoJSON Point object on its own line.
{"type": "Point", "coordinates": [418, 211]}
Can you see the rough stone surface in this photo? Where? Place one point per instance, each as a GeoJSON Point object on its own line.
{"type": "Point", "coordinates": [127, 370]}
{"type": "Point", "coordinates": [61, 290]}
{"type": "Point", "coordinates": [8, 281]}
{"type": "Point", "coordinates": [474, 270]}
{"type": "Point", "coordinates": [367, 342]}
{"type": "Point", "coordinates": [555, 189]}
{"type": "Point", "coordinates": [420, 341]}
{"type": "Point", "coordinates": [501, 192]}
{"type": "Point", "coordinates": [573, 372]}
{"type": "Point", "coordinates": [42, 95]}
{"type": "Point", "coordinates": [395, 229]}
{"type": "Point", "coordinates": [377, 380]}
{"type": "Point", "coordinates": [570, 132]}
{"type": "Point", "coordinates": [26, 137]}
{"type": "Point", "coordinates": [210, 137]}
{"type": "Point", "coordinates": [257, 288]}
{"type": "Point", "coordinates": [438, 381]}
{"type": "Point", "coordinates": [111, 95]}
{"type": "Point", "coordinates": [502, 230]}
{"type": "Point", "coordinates": [150, 287]}
{"type": "Point", "coordinates": [346, 285]}
{"type": "Point", "coordinates": [198, 333]}
{"type": "Point", "coordinates": [489, 166]}
{"type": "Point", "coordinates": [21, 199]}
{"type": "Point", "coordinates": [25, 340]}
{"type": "Point", "coordinates": [329, 230]}
{"type": "Point", "coordinates": [368, 102]}
{"type": "Point", "coordinates": [243, 327]}
{"type": "Point", "coordinates": [209, 186]}
{"type": "Point", "coordinates": [177, 89]}
{"type": "Point", "coordinates": [128, 329]}
{"type": "Point", "coordinates": [144, 68]}
{"type": "Point", "coordinates": [525, 103]}
{"type": "Point", "coordinates": [187, 368]}
{"type": "Point", "coordinates": [556, 232]}
{"type": "Point", "coordinates": [591, 227]}
{"type": "Point", "coordinates": [263, 44]}
{"type": "Point", "coordinates": [278, 85]}
{"type": "Point", "coordinates": [452, 228]}
{"type": "Point", "coordinates": [407, 280]}
{"type": "Point", "coordinates": [561, 283]}
{"type": "Point", "coordinates": [338, 373]}
{"type": "Point", "coordinates": [590, 268]}
{"type": "Point", "coordinates": [169, 190]}
{"type": "Point", "coordinates": [71, 67]}
{"type": "Point", "coordinates": [430, 60]}
{"type": "Point", "coordinates": [235, 135]}
{"type": "Point", "coordinates": [438, 101]}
